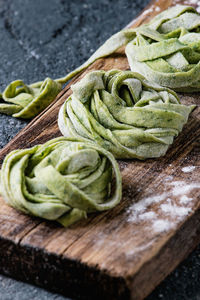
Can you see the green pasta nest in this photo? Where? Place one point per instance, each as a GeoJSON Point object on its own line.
{"type": "Point", "coordinates": [27, 101]}
{"type": "Point", "coordinates": [167, 50]}
{"type": "Point", "coordinates": [124, 113]}
{"type": "Point", "coordinates": [62, 180]}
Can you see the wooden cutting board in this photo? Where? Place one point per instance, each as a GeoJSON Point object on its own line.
{"type": "Point", "coordinates": [123, 253]}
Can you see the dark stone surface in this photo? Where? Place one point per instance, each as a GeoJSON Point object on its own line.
{"type": "Point", "coordinates": [43, 38]}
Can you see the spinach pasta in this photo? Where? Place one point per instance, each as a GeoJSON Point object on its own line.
{"type": "Point", "coordinates": [124, 113]}
{"type": "Point", "coordinates": [167, 50]}
{"type": "Point", "coordinates": [26, 101]}
{"type": "Point", "coordinates": [61, 180]}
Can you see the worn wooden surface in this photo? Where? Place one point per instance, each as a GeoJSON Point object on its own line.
{"type": "Point", "coordinates": [123, 253]}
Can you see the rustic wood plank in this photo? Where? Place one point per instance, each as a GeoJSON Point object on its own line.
{"type": "Point", "coordinates": [114, 254]}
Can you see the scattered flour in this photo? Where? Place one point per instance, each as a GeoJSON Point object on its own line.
{"type": "Point", "coordinates": [143, 204]}
{"type": "Point", "coordinates": [193, 2]}
{"type": "Point", "coordinates": [168, 178]}
{"type": "Point", "coordinates": [168, 211]}
{"type": "Point", "coordinates": [34, 54]}
{"type": "Point", "coordinates": [185, 199]}
{"type": "Point", "coordinates": [174, 210]}
{"type": "Point", "coordinates": [149, 215]}
{"type": "Point", "coordinates": [157, 8]}
{"type": "Point", "coordinates": [151, 9]}
{"type": "Point", "coordinates": [146, 216]}
{"type": "Point", "coordinates": [137, 211]}
{"type": "Point", "coordinates": [188, 169]}
{"type": "Point", "coordinates": [182, 188]}
{"type": "Point", "coordinates": [146, 12]}
{"type": "Point", "coordinates": [162, 225]}
{"type": "Point", "coordinates": [139, 248]}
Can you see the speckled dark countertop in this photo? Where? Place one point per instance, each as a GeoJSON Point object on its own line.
{"type": "Point", "coordinates": [43, 38]}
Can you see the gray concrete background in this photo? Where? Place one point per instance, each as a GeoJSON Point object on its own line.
{"type": "Point", "coordinates": [41, 38]}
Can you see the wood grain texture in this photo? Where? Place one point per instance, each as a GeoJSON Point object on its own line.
{"type": "Point", "coordinates": [115, 254]}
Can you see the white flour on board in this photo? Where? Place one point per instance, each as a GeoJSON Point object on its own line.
{"type": "Point", "coordinates": [193, 2]}
{"type": "Point", "coordinates": [137, 211]}
{"type": "Point", "coordinates": [168, 178]}
{"type": "Point", "coordinates": [188, 169]}
{"type": "Point", "coordinates": [182, 188]}
{"type": "Point", "coordinates": [162, 225]}
{"type": "Point", "coordinates": [162, 211]}
{"type": "Point", "coordinates": [174, 210]}
{"type": "Point", "coordinates": [147, 215]}
{"type": "Point", "coordinates": [185, 199]}
{"type": "Point", "coordinates": [142, 205]}
{"type": "Point", "coordinates": [147, 11]}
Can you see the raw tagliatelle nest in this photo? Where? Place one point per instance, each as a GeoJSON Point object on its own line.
{"type": "Point", "coordinates": [26, 101]}
{"type": "Point", "coordinates": [62, 180]}
{"type": "Point", "coordinates": [167, 50]}
{"type": "Point", "coordinates": [124, 113]}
